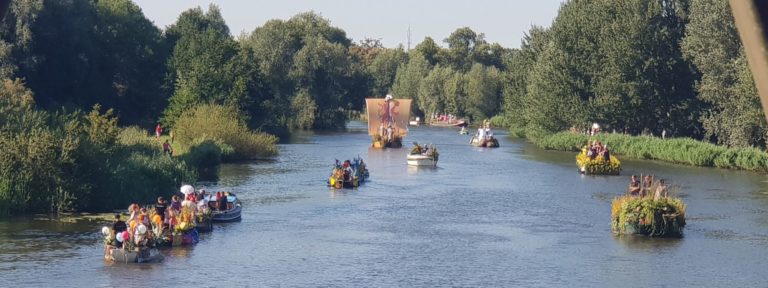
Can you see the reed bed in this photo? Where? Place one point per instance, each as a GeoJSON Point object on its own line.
{"type": "Point", "coordinates": [676, 150]}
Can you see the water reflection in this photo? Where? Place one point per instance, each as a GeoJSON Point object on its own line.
{"type": "Point", "coordinates": [644, 243]}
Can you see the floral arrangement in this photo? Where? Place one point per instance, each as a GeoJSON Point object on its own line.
{"type": "Point", "coordinates": [598, 165]}
{"type": "Point", "coordinates": [663, 217]}
{"type": "Point", "coordinates": [186, 218]}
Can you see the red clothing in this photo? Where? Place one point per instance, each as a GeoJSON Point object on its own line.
{"type": "Point", "coordinates": [158, 130]}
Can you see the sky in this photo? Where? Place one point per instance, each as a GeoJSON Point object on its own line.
{"type": "Point", "coordinates": [503, 22]}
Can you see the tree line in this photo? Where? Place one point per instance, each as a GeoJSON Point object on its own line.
{"type": "Point", "coordinates": [674, 65]}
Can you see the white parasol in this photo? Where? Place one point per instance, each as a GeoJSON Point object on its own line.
{"type": "Point", "coordinates": [187, 189]}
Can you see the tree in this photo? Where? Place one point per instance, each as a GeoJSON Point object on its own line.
{"type": "Point", "coordinates": [207, 65]}
{"type": "Point", "coordinates": [733, 116]}
{"type": "Point", "coordinates": [483, 92]}
{"type": "Point", "coordinates": [462, 45]}
{"type": "Point", "coordinates": [622, 64]}
{"type": "Point", "coordinates": [431, 96]}
{"type": "Point", "coordinates": [430, 51]}
{"type": "Point", "coordinates": [519, 64]}
{"type": "Point", "coordinates": [133, 55]}
{"type": "Point", "coordinates": [409, 77]}
{"type": "Point", "coordinates": [384, 68]}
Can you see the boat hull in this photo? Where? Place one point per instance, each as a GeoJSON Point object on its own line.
{"type": "Point", "coordinates": [120, 255]}
{"type": "Point", "coordinates": [421, 160]}
{"type": "Point", "coordinates": [230, 215]}
{"type": "Point", "coordinates": [487, 143]}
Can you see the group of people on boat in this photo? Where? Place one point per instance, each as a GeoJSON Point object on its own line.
{"type": "Point", "coordinates": [348, 172]}
{"type": "Point", "coordinates": [439, 117]}
{"type": "Point", "coordinates": [648, 187]}
{"type": "Point", "coordinates": [596, 148]}
{"type": "Point", "coordinates": [484, 132]}
{"type": "Point", "coordinates": [161, 221]}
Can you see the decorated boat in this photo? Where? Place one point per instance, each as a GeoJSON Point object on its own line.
{"type": "Point", "coordinates": [135, 255]}
{"type": "Point", "coordinates": [388, 121]}
{"type": "Point", "coordinates": [597, 165]}
{"type": "Point", "coordinates": [124, 247]}
{"type": "Point", "coordinates": [204, 221]}
{"type": "Point", "coordinates": [484, 136]}
{"type": "Point", "coordinates": [349, 174]}
{"type": "Point", "coordinates": [650, 216]}
{"type": "Point", "coordinates": [487, 141]}
{"type": "Point", "coordinates": [423, 156]}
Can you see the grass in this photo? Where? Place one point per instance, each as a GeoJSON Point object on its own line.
{"type": "Point", "coordinates": [677, 150]}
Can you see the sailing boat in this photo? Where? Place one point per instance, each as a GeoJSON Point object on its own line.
{"type": "Point", "coordinates": [388, 121]}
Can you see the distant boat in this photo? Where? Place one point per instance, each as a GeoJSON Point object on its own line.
{"type": "Point", "coordinates": [388, 121]}
{"type": "Point", "coordinates": [416, 122]}
{"type": "Point", "coordinates": [341, 177]}
{"type": "Point", "coordinates": [488, 142]}
{"type": "Point", "coordinates": [418, 157]}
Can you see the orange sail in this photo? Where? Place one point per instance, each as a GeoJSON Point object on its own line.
{"type": "Point", "coordinates": [383, 114]}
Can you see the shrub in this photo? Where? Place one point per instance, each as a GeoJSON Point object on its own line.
{"type": "Point", "coordinates": [206, 155]}
{"type": "Point", "coordinates": [223, 124]}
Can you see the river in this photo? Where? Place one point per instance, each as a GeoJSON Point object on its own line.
{"type": "Point", "coordinates": [511, 216]}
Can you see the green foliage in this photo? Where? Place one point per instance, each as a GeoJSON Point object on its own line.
{"type": "Point", "coordinates": [111, 55]}
{"type": "Point", "coordinates": [664, 217]}
{"type": "Point", "coordinates": [307, 53]}
{"type": "Point", "coordinates": [734, 117]}
{"type": "Point", "coordinates": [207, 65]}
{"type": "Point", "coordinates": [305, 108]}
{"type": "Point", "coordinates": [223, 124]}
{"type": "Point", "coordinates": [384, 68]}
{"type": "Point", "coordinates": [62, 162]}
{"type": "Point", "coordinates": [615, 63]}
{"type": "Point", "coordinates": [206, 155]}
{"type": "Point", "coordinates": [483, 92]}
{"type": "Point", "coordinates": [676, 150]}
{"type": "Point", "coordinates": [408, 79]}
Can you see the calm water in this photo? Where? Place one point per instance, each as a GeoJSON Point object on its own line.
{"type": "Point", "coordinates": [512, 216]}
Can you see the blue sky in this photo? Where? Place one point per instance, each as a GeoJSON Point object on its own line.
{"type": "Point", "coordinates": [501, 21]}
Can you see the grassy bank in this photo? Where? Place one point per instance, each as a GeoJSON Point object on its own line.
{"type": "Point", "coordinates": [677, 150]}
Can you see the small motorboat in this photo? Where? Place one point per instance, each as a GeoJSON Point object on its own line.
{"type": "Point", "coordinates": [231, 213]}
{"type": "Point", "coordinates": [423, 156]}
{"type": "Point", "coordinates": [415, 122]}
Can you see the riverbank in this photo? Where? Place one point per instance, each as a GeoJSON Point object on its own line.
{"type": "Point", "coordinates": [675, 150]}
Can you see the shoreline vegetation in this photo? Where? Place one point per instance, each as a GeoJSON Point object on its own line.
{"type": "Point", "coordinates": [674, 150]}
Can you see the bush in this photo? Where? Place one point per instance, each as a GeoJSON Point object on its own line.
{"type": "Point", "coordinates": [225, 125]}
{"type": "Point", "coordinates": [677, 150]}
{"type": "Point", "coordinates": [82, 162]}
{"type": "Point", "coordinates": [206, 155]}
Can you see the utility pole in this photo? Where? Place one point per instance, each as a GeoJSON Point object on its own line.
{"type": "Point", "coordinates": [409, 37]}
